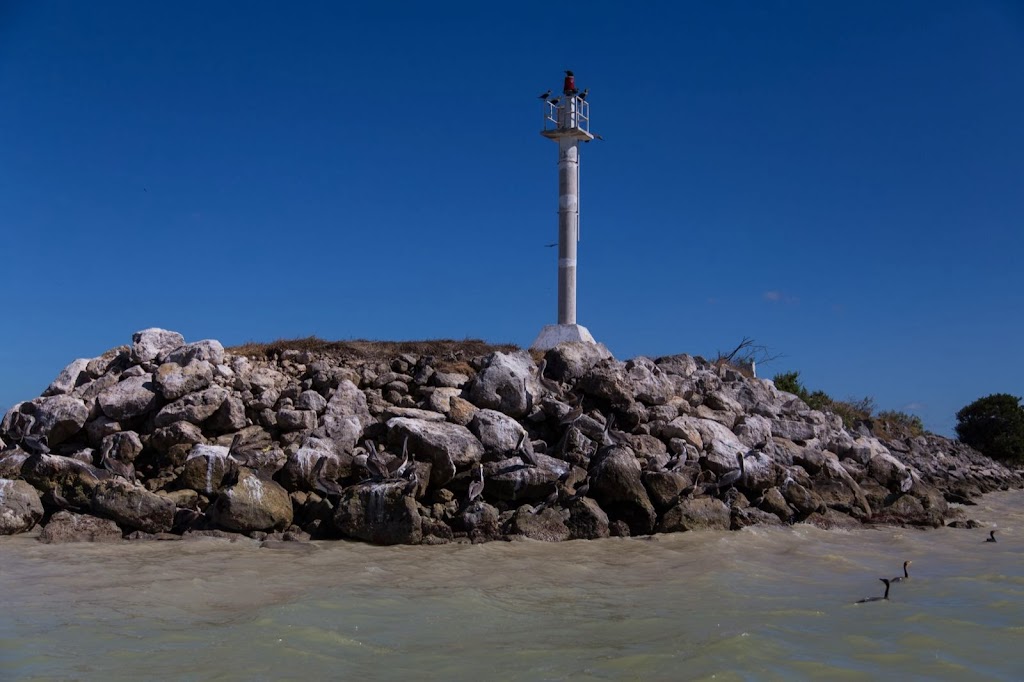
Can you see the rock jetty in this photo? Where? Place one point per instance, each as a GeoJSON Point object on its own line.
{"type": "Point", "coordinates": [166, 439]}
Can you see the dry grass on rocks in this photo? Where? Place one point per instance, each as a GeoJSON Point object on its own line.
{"type": "Point", "coordinates": [444, 350]}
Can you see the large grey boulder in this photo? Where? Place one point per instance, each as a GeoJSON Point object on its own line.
{"type": "Point", "coordinates": [194, 407]}
{"type": "Point", "coordinates": [720, 445]}
{"type": "Point", "coordinates": [206, 468]}
{"type": "Point", "coordinates": [587, 521]}
{"type": "Point", "coordinates": [345, 416]}
{"type": "Point", "coordinates": [20, 507]}
{"type": "Point", "coordinates": [59, 418]}
{"type": "Point", "coordinates": [380, 513]}
{"type": "Point", "coordinates": [123, 445]}
{"type": "Point", "coordinates": [67, 477]}
{"type": "Point", "coordinates": [498, 432]}
{"type": "Point", "coordinates": [615, 482]}
{"type": "Point", "coordinates": [69, 378]}
{"type": "Point", "coordinates": [174, 380]}
{"type": "Point", "coordinates": [702, 513]}
{"type": "Point", "coordinates": [208, 350]}
{"type": "Point", "coordinates": [150, 344]}
{"type": "Point", "coordinates": [546, 525]}
{"type": "Point", "coordinates": [513, 480]}
{"type": "Point", "coordinates": [133, 507]}
{"type": "Point", "coordinates": [65, 526]}
{"type": "Point", "coordinates": [568, 362]}
{"type": "Point", "coordinates": [647, 382]}
{"type": "Point", "coordinates": [506, 383]}
{"type": "Point", "coordinates": [132, 397]}
{"type": "Point", "coordinates": [252, 504]}
{"type": "Point", "coordinates": [448, 446]}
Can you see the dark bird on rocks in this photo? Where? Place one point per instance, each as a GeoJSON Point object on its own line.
{"type": "Point", "coordinates": [549, 501]}
{"type": "Point", "coordinates": [730, 478]}
{"type": "Point", "coordinates": [398, 465]}
{"type": "Point", "coordinates": [374, 464]}
{"type": "Point", "coordinates": [477, 487]}
{"type": "Point", "coordinates": [322, 483]}
{"type": "Point", "coordinates": [884, 597]}
{"type": "Point", "coordinates": [581, 490]}
{"type": "Point", "coordinates": [547, 383]}
{"type": "Point", "coordinates": [991, 536]}
{"type": "Point", "coordinates": [545, 95]}
{"type": "Point", "coordinates": [573, 415]}
{"type": "Point", "coordinates": [413, 483]}
{"type": "Point", "coordinates": [905, 576]}
{"type": "Point", "coordinates": [524, 452]}
{"type": "Point", "coordinates": [118, 468]}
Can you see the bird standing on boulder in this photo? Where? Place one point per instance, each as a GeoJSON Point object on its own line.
{"type": "Point", "coordinates": [477, 487]}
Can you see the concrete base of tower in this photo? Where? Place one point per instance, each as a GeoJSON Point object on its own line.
{"type": "Point", "coordinates": [554, 334]}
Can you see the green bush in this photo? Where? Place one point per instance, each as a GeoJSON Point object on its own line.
{"type": "Point", "coordinates": [994, 425]}
{"type": "Point", "coordinates": [895, 422]}
{"type": "Point", "coordinates": [850, 411]}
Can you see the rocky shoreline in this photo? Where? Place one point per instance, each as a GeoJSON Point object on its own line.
{"type": "Point", "coordinates": [163, 439]}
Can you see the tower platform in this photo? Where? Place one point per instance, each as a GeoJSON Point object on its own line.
{"type": "Point", "coordinates": [553, 334]}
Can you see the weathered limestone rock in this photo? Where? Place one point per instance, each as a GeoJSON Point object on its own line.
{"type": "Point", "coordinates": [506, 383]}
{"type": "Point", "coordinates": [513, 480]}
{"type": "Point", "coordinates": [20, 507]}
{"type": "Point", "coordinates": [804, 501]}
{"type": "Point", "coordinates": [615, 484]}
{"type": "Point", "coordinates": [65, 476]}
{"type": "Point", "coordinates": [587, 521]}
{"type": "Point", "coordinates": [568, 362]}
{"type": "Point", "coordinates": [480, 521]}
{"type": "Point", "coordinates": [174, 380]}
{"type": "Point", "coordinates": [773, 502]}
{"type": "Point", "coordinates": [345, 416]}
{"type": "Point", "coordinates": [448, 446]}
{"type": "Point", "coordinates": [252, 504]}
{"type": "Point", "coordinates": [123, 445]}
{"type": "Point", "coordinates": [150, 344]}
{"type": "Point", "coordinates": [546, 525]}
{"type": "Point", "coordinates": [664, 487]}
{"type": "Point", "coordinates": [129, 398]}
{"type": "Point", "coordinates": [702, 513]}
{"type": "Point", "coordinates": [206, 468]}
{"type": "Point", "coordinates": [59, 417]}
{"type": "Point", "coordinates": [68, 378]}
{"type": "Point", "coordinates": [379, 513]}
{"type": "Point", "coordinates": [497, 432]}
{"type": "Point", "coordinates": [195, 407]}
{"type": "Point", "coordinates": [65, 526]}
{"type": "Point", "coordinates": [133, 507]}
{"type": "Point", "coordinates": [208, 350]}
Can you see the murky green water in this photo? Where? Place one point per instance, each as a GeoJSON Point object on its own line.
{"type": "Point", "coordinates": [758, 604]}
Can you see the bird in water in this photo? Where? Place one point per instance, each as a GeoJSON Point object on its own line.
{"type": "Point", "coordinates": [477, 486]}
{"type": "Point", "coordinates": [991, 536]}
{"type": "Point", "coordinates": [905, 576]}
{"type": "Point", "coordinates": [545, 95]}
{"type": "Point", "coordinates": [884, 597]}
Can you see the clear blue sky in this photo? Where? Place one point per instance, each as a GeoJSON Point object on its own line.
{"type": "Point", "coordinates": [842, 182]}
